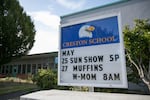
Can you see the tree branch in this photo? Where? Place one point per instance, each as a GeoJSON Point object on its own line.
{"type": "Point", "coordinates": [138, 69]}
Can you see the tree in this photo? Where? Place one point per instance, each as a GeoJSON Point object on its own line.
{"type": "Point", "coordinates": [16, 31]}
{"type": "Point", "coordinates": [137, 45]}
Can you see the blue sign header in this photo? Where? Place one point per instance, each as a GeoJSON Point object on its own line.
{"type": "Point", "coordinates": [96, 32]}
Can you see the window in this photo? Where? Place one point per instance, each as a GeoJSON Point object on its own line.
{"type": "Point", "coordinates": [56, 66]}
{"type": "Point", "coordinates": [3, 69]}
{"type": "Point", "coordinates": [28, 68]}
{"type": "Point", "coordinates": [24, 69]}
{"type": "Point", "coordinates": [39, 66]}
{"type": "Point", "coordinates": [44, 66]}
{"type": "Point", "coordinates": [33, 68]}
{"type": "Point", "coordinates": [7, 69]}
{"type": "Point", "coordinates": [0, 69]}
{"type": "Point", "coordinates": [56, 60]}
{"type": "Point", "coordinates": [19, 69]}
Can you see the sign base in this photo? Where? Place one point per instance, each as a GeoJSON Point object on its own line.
{"type": "Point", "coordinates": [75, 95]}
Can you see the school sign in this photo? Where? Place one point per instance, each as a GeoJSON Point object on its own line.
{"type": "Point", "coordinates": [92, 53]}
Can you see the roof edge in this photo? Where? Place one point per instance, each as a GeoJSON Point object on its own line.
{"type": "Point", "coordinates": [102, 6]}
{"type": "Point", "coordinates": [42, 53]}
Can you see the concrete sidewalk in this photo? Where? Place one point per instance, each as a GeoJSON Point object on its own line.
{"type": "Point", "coordinates": [75, 95]}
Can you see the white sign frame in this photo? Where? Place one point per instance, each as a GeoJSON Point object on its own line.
{"type": "Point", "coordinates": [124, 83]}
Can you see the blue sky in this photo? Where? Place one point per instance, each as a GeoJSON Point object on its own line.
{"type": "Point", "coordinates": [46, 17]}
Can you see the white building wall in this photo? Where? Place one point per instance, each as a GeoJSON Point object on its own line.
{"type": "Point", "coordinates": [129, 10]}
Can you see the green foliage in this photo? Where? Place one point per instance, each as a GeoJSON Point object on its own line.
{"type": "Point", "coordinates": [16, 31]}
{"type": "Point", "coordinates": [137, 45]}
{"type": "Point", "coordinates": [137, 40]}
{"type": "Point", "coordinates": [45, 79]}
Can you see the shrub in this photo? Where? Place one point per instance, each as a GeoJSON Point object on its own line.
{"type": "Point", "coordinates": [45, 79]}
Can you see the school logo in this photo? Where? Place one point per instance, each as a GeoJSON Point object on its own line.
{"type": "Point", "coordinates": [86, 31]}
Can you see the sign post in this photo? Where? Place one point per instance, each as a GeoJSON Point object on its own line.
{"type": "Point", "coordinates": [92, 53]}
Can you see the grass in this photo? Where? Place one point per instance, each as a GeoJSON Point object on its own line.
{"type": "Point", "coordinates": [16, 80]}
{"type": "Point", "coordinates": [13, 85]}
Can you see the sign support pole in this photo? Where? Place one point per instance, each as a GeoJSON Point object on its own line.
{"type": "Point", "coordinates": [91, 89]}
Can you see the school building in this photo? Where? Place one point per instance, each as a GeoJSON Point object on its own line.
{"type": "Point", "coordinates": [29, 64]}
